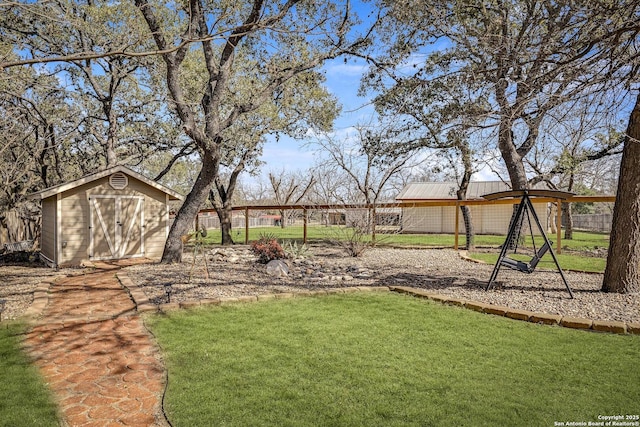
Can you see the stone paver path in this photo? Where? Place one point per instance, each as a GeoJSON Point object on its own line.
{"type": "Point", "coordinates": [95, 353]}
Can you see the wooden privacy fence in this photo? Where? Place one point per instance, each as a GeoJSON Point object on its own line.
{"type": "Point", "coordinates": [16, 227]}
{"type": "Point", "coordinates": [305, 208]}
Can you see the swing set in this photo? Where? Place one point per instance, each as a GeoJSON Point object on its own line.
{"type": "Point", "coordinates": [525, 209]}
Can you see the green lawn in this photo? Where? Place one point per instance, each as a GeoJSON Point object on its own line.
{"type": "Point", "coordinates": [24, 398]}
{"type": "Point", "coordinates": [581, 240]}
{"type": "Point", "coordinates": [387, 360]}
{"type": "Point", "coordinates": [323, 234]}
{"type": "Point", "coordinates": [567, 262]}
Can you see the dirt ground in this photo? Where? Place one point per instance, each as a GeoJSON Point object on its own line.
{"type": "Point", "coordinates": [235, 272]}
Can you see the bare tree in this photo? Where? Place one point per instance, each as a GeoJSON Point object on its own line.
{"type": "Point", "coordinates": [290, 188]}
{"type": "Point", "coordinates": [368, 163]}
{"type": "Point", "coordinates": [572, 141]}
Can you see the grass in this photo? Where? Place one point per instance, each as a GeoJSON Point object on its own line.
{"type": "Point", "coordinates": [387, 360]}
{"type": "Point", "coordinates": [567, 262]}
{"type": "Point", "coordinates": [581, 240]}
{"type": "Point", "coordinates": [322, 233]}
{"type": "Point", "coordinates": [24, 398]}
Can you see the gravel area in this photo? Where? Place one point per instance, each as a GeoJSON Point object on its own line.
{"type": "Point", "coordinates": [234, 272]}
{"type": "Point", "coordinates": [18, 282]}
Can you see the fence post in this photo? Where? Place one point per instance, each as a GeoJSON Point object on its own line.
{"type": "Point", "coordinates": [456, 228]}
{"type": "Point", "coordinates": [373, 225]}
{"type": "Point", "coordinates": [305, 219]}
{"type": "Point", "coordinates": [559, 226]}
{"type": "Point", "coordinates": [246, 225]}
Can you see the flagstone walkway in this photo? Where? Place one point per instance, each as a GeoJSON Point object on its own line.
{"type": "Point", "coordinates": [96, 355]}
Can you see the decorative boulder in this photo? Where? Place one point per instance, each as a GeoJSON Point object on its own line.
{"type": "Point", "coordinates": [277, 268]}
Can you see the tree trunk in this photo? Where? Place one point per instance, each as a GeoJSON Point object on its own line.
{"type": "Point", "coordinates": [465, 153]}
{"type": "Point", "coordinates": [283, 219]}
{"type": "Point", "coordinates": [512, 159]}
{"type": "Point", "coordinates": [469, 232]}
{"type": "Point", "coordinates": [567, 213]}
{"type": "Point", "coordinates": [515, 168]}
{"type": "Point", "coordinates": [372, 224]}
{"type": "Point", "coordinates": [222, 202]}
{"type": "Point", "coordinates": [225, 215]}
{"type": "Point", "coordinates": [112, 136]}
{"type": "Point", "coordinates": [187, 213]}
{"type": "Point", "coordinates": [553, 218]}
{"type": "Point", "coordinates": [568, 220]}
{"type": "Point", "coordinates": [622, 273]}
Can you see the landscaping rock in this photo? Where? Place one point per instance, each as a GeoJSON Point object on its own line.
{"type": "Point", "coordinates": [430, 271]}
{"type": "Point", "coordinates": [547, 319]}
{"type": "Point", "coordinates": [576, 323]}
{"type": "Point", "coordinates": [609, 326]}
{"type": "Point", "coordinates": [277, 268]}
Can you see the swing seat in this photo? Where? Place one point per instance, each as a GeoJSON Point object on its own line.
{"type": "Point", "coordinates": [516, 265]}
{"type": "Point", "coordinates": [523, 266]}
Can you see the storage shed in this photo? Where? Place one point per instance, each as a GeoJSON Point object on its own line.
{"type": "Point", "coordinates": [487, 219]}
{"type": "Point", "coordinates": [113, 214]}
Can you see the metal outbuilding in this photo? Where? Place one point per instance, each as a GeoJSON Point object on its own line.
{"type": "Point", "coordinates": [113, 214]}
{"type": "Point", "coordinates": [487, 219]}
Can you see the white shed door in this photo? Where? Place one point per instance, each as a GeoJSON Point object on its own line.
{"type": "Point", "coordinates": [116, 227]}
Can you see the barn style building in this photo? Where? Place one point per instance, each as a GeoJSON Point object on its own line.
{"type": "Point", "coordinates": [113, 214]}
{"type": "Point", "coordinates": [487, 219]}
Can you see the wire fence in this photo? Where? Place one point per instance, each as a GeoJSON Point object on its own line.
{"type": "Point", "coordinates": [600, 223]}
{"type": "Point", "coordinates": [421, 219]}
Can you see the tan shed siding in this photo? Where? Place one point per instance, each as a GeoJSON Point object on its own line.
{"type": "Point", "coordinates": [75, 218]}
{"type": "Point", "coordinates": [155, 214]}
{"type": "Point", "coordinates": [496, 219]}
{"type": "Point", "coordinates": [476, 218]}
{"type": "Point", "coordinates": [48, 237]}
{"type": "Point", "coordinates": [75, 226]}
{"type": "Point", "coordinates": [477, 214]}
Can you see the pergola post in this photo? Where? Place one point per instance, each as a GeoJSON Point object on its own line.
{"type": "Point", "coordinates": [246, 225]}
{"type": "Point", "coordinates": [305, 220]}
{"type": "Point", "coordinates": [456, 226]}
{"type": "Point", "coordinates": [559, 226]}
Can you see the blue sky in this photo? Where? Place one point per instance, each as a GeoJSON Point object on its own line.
{"type": "Point", "coordinates": [342, 80]}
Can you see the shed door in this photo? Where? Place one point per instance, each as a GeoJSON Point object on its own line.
{"type": "Point", "coordinates": [116, 227]}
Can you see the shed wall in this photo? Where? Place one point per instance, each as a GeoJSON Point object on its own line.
{"type": "Point", "coordinates": [75, 233]}
{"type": "Point", "coordinates": [48, 231]}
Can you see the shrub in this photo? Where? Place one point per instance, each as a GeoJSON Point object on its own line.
{"type": "Point", "coordinates": [267, 248]}
{"type": "Point", "coordinates": [355, 238]}
{"type": "Point", "coordinates": [295, 251]}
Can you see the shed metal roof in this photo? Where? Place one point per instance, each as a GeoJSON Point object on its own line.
{"type": "Point", "coordinates": [447, 190]}
{"type": "Point", "coordinates": [51, 191]}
